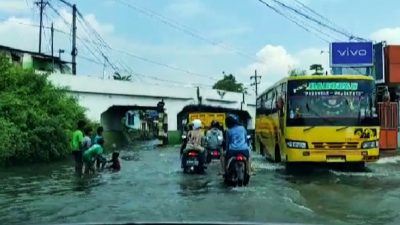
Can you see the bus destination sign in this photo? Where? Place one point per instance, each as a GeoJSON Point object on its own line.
{"type": "Point", "coordinates": [328, 88]}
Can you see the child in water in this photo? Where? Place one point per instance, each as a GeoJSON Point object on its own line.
{"type": "Point", "coordinates": [115, 166]}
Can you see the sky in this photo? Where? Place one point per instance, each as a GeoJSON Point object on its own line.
{"type": "Point", "coordinates": [191, 42]}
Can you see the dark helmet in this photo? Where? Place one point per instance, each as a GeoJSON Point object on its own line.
{"type": "Point", "coordinates": [215, 124]}
{"type": "Point", "coordinates": [190, 126]}
{"type": "Point", "coordinates": [231, 120]}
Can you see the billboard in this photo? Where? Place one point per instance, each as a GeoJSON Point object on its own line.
{"type": "Point", "coordinates": [351, 54]}
{"type": "Point", "coordinates": [379, 62]}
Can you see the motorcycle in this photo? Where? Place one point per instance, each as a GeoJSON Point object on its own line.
{"type": "Point", "coordinates": [236, 173]}
{"type": "Point", "coordinates": [192, 162]}
{"type": "Point", "coordinates": [213, 154]}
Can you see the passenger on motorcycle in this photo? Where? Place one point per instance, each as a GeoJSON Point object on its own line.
{"type": "Point", "coordinates": [185, 136]}
{"type": "Point", "coordinates": [214, 138]}
{"type": "Point", "coordinates": [236, 141]}
{"type": "Point", "coordinates": [195, 141]}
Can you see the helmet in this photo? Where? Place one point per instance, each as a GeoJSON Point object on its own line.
{"type": "Point", "coordinates": [215, 124]}
{"type": "Point", "coordinates": [196, 124]}
{"type": "Point", "coordinates": [231, 120]}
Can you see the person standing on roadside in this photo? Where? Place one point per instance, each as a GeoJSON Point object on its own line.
{"type": "Point", "coordinates": [100, 160]}
{"type": "Point", "coordinates": [87, 141]}
{"type": "Point", "coordinates": [99, 135]}
{"type": "Point", "coordinates": [77, 146]}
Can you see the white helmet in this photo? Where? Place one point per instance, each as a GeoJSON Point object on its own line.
{"type": "Point", "coordinates": [196, 124]}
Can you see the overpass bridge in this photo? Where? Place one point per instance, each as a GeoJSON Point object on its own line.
{"type": "Point", "coordinates": [107, 101]}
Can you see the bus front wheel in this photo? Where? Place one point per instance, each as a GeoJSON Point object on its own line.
{"type": "Point", "coordinates": [262, 148]}
{"type": "Point", "coordinates": [277, 154]}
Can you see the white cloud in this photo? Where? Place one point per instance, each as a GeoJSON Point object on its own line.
{"type": "Point", "coordinates": [15, 33]}
{"type": "Point", "coordinates": [100, 27]}
{"type": "Point", "coordinates": [311, 56]}
{"type": "Point", "coordinates": [390, 34]}
{"type": "Point", "coordinates": [186, 8]}
{"type": "Point", "coordinates": [275, 62]}
{"type": "Point", "coordinates": [13, 6]}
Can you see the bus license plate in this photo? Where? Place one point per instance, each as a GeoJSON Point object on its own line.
{"type": "Point", "coordinates": [336, 159]}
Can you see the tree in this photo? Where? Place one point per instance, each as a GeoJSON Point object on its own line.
{"type": "Point", "coordinates": [297, 72]}
{"type": "Point", "coordinates": [319, 70]}
{"type": "Point", "coordinates": [36, 118]}
{"type": "Point", "coordinates": [229, 83]}
{"type": "Point", "coordinates": [118, 76]}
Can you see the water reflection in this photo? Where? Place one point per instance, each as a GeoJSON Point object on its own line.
{"type": "Point", "coordinates": [193, 185]}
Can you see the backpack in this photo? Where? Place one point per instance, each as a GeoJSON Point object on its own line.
{"type": "Point", "coordinates": [214, 138]}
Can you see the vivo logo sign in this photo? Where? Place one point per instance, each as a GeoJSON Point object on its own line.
{"type": "Point", "coordinates": [351, 54]}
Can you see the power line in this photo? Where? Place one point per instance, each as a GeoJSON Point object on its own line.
{"type": "Point", "coordinates": [101, 46]}
{"type": "Point", "coordinates": [121, 67]}
{"type": "Point", "coordinates": [62, 18]}
{"type": "Point", "coordinates": [185, 29]}
{"type": "Point", "coordinates": [350, 36]}
{"type": "Point", "coordinates": [68, 25]}
{"type": "Point", "coordinates": [104, 44]}
{"type": "Point", "coordinates": [307, 8]}
{"type": "Point", "coordinates": [147, 76]}
{"type": "Point", "coordinates": [293, 20]}
{"type": "Point", "coordinates": [66, 3]}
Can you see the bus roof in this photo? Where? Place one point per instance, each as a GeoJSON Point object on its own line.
{"type": "Point", "coordinates": [319, 77]}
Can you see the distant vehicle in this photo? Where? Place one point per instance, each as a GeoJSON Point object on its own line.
{"type": "Point", "coordinates": [319, 118]}
{"type": "Point", "coordinates": [207, 117]}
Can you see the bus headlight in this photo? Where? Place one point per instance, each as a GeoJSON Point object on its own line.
{"type": "Point", "coordinates": [296, 144]}
{"type": "Point", "coordinates": [370, 144]}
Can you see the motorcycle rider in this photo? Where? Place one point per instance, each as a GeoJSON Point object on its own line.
{"type": "Point", "coordinates": [195, 141]}
{"type": "Point", "coordinates": [185, 137]}
{"type": "Point", "coordinates": [214, 138]}
{"type": "Point", "coordinates": [236, 141]}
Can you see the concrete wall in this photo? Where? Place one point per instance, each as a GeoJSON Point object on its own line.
{"type": "Point", "coordinates": [98, 95]}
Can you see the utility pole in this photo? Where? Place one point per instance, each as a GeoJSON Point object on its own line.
{"type": "Point", "coordinates": [42, 4]}
{"type": "Point", "coordinates": [256, 81]}
{"type": "Point", "coordinates": [74, 51]}
{"type": "Point", "coordinates": [52, 45]}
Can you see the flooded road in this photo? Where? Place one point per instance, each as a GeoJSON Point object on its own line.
{"type": "Point", "coordinates": [151, 187]}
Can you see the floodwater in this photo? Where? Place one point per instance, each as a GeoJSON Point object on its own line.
{"type": "Point", "coordinates": [151, 187]}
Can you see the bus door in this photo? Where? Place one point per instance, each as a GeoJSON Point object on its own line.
{"type": "Point", "coordinates": [388, 117]}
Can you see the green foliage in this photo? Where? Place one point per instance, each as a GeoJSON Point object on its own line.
{"type": "Point", "coordinates": [319, 70]}
{"type": "Point", "coordinates": [118, 76]}
{"type": "Point", "coordinates": [297, 72]}
{"type": "Point", "coordinates": [36, 118]}
{"type": "Point", "coordinates": [229, 83]}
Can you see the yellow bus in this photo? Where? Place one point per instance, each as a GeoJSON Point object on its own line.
{"type": "Point", "coordinates": [318, 118]}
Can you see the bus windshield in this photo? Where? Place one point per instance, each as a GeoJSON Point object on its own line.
{"type": "Point", "coordinates": [331, 102]}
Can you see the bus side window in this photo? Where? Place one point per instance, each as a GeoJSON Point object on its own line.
{"type": "Point", "coordinates": [268, 103]}
{"type": "Point", "coordinates": [273, 101]}
{"type": "Point", "coordinates": [259, 103]}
